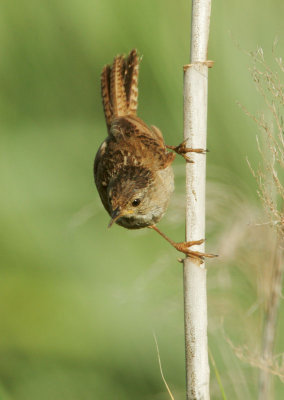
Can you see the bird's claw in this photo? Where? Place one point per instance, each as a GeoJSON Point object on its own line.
{"type": "Point", "coordinates": [181, 149]}
{"type": "Point", "coordinates": [183, 247]}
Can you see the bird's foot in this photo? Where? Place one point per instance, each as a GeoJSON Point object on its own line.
{"type": "Point", "coordinates": [183, 247]}
{"type": "Point", "coordinates": [181, 149]}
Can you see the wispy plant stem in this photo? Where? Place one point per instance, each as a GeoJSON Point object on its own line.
{"type": "Point", "coordinates": [195, 129]}
{"type": "Point", "coordinates": [271, 191]}
{"type": "Point", "coordinates": [270, 322]}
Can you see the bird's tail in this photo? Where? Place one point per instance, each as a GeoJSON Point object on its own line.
{"type": "Point", "coordinates": [119, 85]}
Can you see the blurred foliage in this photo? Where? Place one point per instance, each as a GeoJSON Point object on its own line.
{"type": "Point", "coordinates": [79, 302]}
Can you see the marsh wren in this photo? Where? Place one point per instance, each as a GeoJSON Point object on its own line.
{"type": "Point", "coordinates": [132, 168]}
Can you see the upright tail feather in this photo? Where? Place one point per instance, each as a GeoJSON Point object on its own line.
{"type": "Point", "coordinates": [117, 89]}
{"type": "Point", "coordinates": [105, 89]}
{"type": "Point", "coordinates": [119, 85]}
{"type": "Point", "coordinates": [131, 81]}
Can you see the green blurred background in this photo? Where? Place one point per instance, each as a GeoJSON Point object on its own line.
{"type": "Point", "coordinates": [79, 303]}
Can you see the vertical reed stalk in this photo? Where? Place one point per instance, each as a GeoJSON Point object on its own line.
{"type": "Point", "coordinates": [195, 129]}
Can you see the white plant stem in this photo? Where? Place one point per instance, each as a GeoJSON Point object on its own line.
{"type": "Point", "coordinates": [195, 130]}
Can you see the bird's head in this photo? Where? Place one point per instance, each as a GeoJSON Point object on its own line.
{"type": "Point", "coordinates": [130, 199]}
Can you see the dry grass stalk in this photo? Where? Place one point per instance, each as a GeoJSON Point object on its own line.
{"type": "Point", "coordinates": [270, 173]}
{"type": "Point", "coordinates": [273, 365]}
{"type": "Point", "coordinates": [269, 176]}
{"type": "Point", "coordinates": [161, 369]}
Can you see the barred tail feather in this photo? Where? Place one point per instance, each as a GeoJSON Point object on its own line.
{"type": "Point", "coordinates": [117, 90]}
{"type": "Point", "coordinates": [119, 86]}
{"type": "Point", "coordinates": [105, 89]}
{"type": "Point", "coordinates": [131, 81]}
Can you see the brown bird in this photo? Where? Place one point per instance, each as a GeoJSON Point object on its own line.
{"type": "Point", "coordinates": [132, 168]}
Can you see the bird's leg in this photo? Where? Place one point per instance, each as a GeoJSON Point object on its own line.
{"type": "Point", "coordinates": [181, 149]}
{"type": "Point", "coordinates": [183, 247]}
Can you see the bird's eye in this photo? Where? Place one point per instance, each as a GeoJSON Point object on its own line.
{"type": "Point", "coordinates": [136, 202]}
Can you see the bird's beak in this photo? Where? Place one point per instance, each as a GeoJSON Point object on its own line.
{"type": "Point", "coordinates": [114, 216]}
